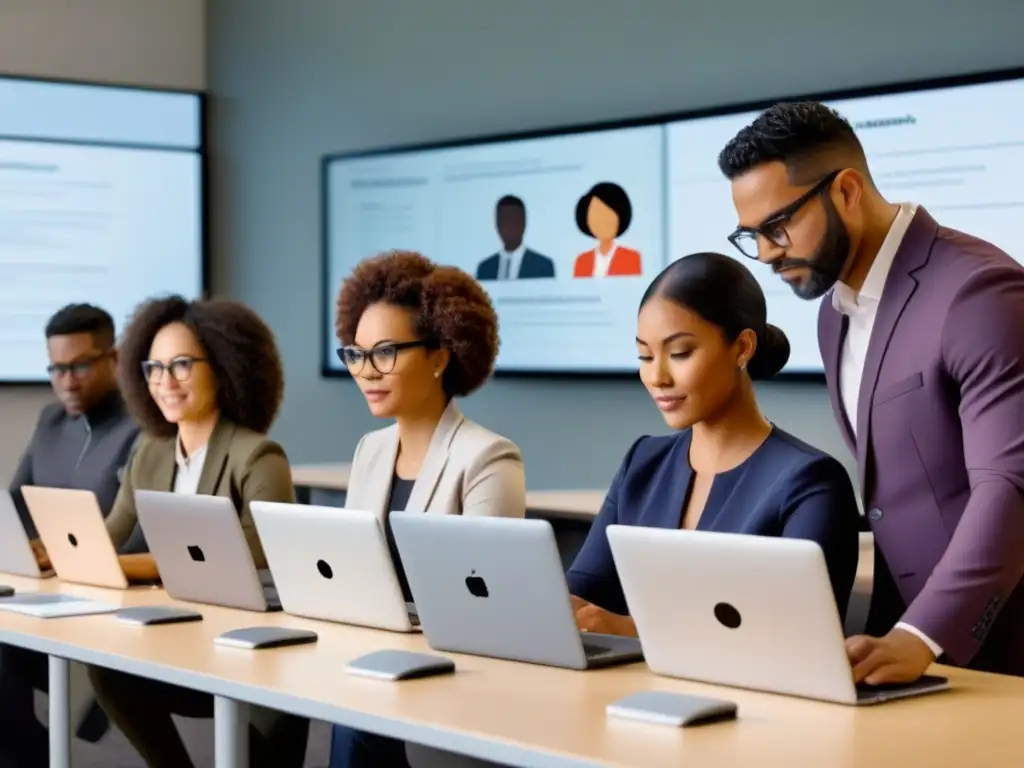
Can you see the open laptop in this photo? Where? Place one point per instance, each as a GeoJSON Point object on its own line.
{"type": "Point", "coordinates": [201, 551]}
{"type": "Point", "coordinates": [333, 564]}
{"type": "Point", "coordinates": [74, 533]}
{"type": "Point", "coordinates": [747, 611]}
{"type": "Point", "coordinates": [16, 554]}
{"type": "Point", "coordinates": [494, 586]}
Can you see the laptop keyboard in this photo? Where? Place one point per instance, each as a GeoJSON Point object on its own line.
{"type": "Point", "coordinates": [42, 599]}
{"type": "Point", "coordinates": [866, 691]}
{"type": "Point", "coordinates": [594, 650]}
{"type": "Point", "coordinates": [272, 598]}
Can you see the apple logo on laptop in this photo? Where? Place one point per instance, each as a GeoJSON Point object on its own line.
{"type": "Point", "coordinates": [728, 616]}
{"type": "Point", "coordinates": [476, 585]}
{"type": "Point", "coordinates": [72, 540]}
{"type": "Point", "coordinates": [325, 569]}
{"type": "Point", "coordinates": [196, 553]}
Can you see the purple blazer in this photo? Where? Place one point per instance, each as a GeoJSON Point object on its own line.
{"type": "Point", "coordinates": [940, 444]}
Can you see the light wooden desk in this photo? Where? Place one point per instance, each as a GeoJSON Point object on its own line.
{"type": "Point", "coordinates": [523, 714]}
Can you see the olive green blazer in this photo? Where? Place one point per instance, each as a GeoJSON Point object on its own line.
{"type": "Point", "coordinates": [240, 464]}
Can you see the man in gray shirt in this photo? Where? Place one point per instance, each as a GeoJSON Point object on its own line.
{"type": "Point", "coordinates": [83, 441]}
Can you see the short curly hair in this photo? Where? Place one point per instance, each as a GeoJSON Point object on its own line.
{"type": "Point", "coordinates": [451, 310]}
{"type": "Point", "coordinates": [809, 137]}
{"type": "Point", "coordinates": [240, 349]}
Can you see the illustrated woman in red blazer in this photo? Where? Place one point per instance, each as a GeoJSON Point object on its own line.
{"type": "Point", "coordinates": [604, 213]}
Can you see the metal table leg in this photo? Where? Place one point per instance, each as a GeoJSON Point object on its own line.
{"type": "Point", "coordinates": [60, 712]}
{"type": "Point", "coordinates": [231, 733]}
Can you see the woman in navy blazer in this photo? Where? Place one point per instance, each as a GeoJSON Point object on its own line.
{"type": "Point", "coordinates": [702, 337]}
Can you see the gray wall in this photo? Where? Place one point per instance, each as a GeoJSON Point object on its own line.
{"type": "Point", "coordinates": [155, 42]}
{"type": "Point", "coordinates": [295, 80]}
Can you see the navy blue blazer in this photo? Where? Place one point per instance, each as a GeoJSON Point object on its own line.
{"type": "Point", "coordinates": [786, 488]}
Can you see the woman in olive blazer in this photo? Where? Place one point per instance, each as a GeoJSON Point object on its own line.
{"type": "Point", "coordinates": [205, 381]}
{"type": "Point", "coordinates": [240, 464]}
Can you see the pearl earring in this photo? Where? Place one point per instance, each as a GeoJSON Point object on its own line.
{"type": "Point", "coordinates": [437, 374]}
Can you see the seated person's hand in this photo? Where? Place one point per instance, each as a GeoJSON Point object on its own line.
{"type": "Point", "coordinates": [590, 618]}
{"type": "Point", "coordinates": [42, 559]}
{"type": "Point", "coordinates": [899, 657]}
{"type": "Point", "coordinates": [139, 568]}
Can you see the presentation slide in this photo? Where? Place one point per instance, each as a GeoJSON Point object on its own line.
{"type": "Point", "coordinates": [957, 151]}
{"type": "Point", "coordinates": [567, 231]}
{"type": "Point", "coordinates": [564, 232]}
{"type": "Point", "coordinates": [100, 202]}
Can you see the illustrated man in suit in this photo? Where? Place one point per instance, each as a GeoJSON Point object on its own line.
{"type": "Point", "coordinates": [922, 335]}
{"type": "Point", "coordinates": [514, 260]}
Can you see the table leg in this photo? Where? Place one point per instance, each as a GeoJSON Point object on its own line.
{"type": "Point", "coordinates": [60, 712]}
{"type": "Point", "coordinates": [231, 733]}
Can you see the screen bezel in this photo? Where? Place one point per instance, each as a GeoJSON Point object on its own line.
{"type": "Point", "coordinates": [327, 290]}
{"type": "Point", "coordinates": [205, 267]}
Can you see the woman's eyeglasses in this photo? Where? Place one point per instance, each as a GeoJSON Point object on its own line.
{"type": "Point", "coordinates": [180, 369]}
{"type": "Point", "coordinates": [382, 356]}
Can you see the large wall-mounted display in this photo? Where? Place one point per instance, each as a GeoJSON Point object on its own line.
{"type": "Point", "coordinates": [101, 201]}
{"type": "Point", "coordinates": [566, 229]}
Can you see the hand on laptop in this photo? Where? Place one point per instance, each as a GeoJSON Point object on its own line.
{"type": "Point", "coordinates": [899, 657]}
{"type": "Point", "coordinates": [590, 618]}
{"type": "Point", "coordinates": [39, 551]}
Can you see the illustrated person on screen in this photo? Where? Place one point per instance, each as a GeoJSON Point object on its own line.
{"type": "Point", "coordinates": [604, 213]}
{"type": "Point", "coordinates": [921, 330]}
{"type": "Point", "coordinates": [514, 260]}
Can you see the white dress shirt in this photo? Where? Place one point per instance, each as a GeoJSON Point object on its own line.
{"type": "Point", "coordinates": [603, 261]}
{"type": "Point", "coordinates": [860, 309]}
{"type": "Point", "coordinates": [510, 262]}
{"type": "Point", "coordinates": [189, 470]}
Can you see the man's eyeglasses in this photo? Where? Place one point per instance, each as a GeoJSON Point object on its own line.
{"type": "Point", "coordinates": [180, 369]}
{"type": "Point", "coordinates": [382, 356]}
{"type": "Point", "coordinates": [773, 229]}
{"type": "Point", "coordinates": [78, 368]}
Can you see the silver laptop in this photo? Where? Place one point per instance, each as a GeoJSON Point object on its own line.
{"type": "Point", "coordinates": [494, 586]}
{"type": "Point", "coordinates": [74, 533]}
{"type": "Point", "coordinates": [333, 564]}
{"type": "Point", "coordinates": [747, 611]}
{"type": "Point", "coordinates": [201, 551]}
{"type": "Point", "coordinates": [16, 554]}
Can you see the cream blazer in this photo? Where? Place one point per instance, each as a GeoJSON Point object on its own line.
{"type": "Point", "coordinates": [468, 470]}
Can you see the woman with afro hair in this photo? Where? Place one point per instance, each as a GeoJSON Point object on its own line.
{"type": "Point", "coordinates": [415, 336]}
{"type": "Point", "coordinates": [204, 380]}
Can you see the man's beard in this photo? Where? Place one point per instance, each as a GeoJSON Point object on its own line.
{"type": "Point", "coordinates": [826, 264]}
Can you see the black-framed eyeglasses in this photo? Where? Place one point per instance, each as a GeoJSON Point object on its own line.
{"type": "Point", "coordinates": [77, 368]}
{"type": "Point", "coordinates": [180, 368]}
{"type": "Point", "coordinates": [773, 229]}
{"type": "Point", "coordinates": [382, 355]}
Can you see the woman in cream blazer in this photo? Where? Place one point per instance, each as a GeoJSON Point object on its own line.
{"type": "Point", "coordinates": [416, 336]}
{"type": "Point", "coordinates": [467, 470]}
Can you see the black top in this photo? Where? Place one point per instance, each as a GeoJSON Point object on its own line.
{"type": "Point", "coordinates": [785, 488]}
{"type": "Point", "coordinates": [85, 452]}
{"type": "Point", "coordinates": [397, 501]}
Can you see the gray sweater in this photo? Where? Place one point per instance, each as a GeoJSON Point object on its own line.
{"type": "Point", "coordinates": [87, 452]}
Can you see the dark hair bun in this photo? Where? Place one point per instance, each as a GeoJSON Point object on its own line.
{"type": "Point", "coordinates": [771, 355]}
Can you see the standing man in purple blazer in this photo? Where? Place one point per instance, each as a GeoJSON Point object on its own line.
{"type": "Point", "coordinates": [922, 333]}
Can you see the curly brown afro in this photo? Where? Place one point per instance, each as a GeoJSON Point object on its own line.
{"type": "Point", "coordinates": [451, 308]}
{"type": "Point", "coordinates": [240, 350]}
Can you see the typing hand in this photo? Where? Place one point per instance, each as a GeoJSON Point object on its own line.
{"type": "Point", "coordinates": [42, 559]}
{"type": "Point", "coordinates": [590, 618]}
{"type": "Point", "coordinates": [899, 657]}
